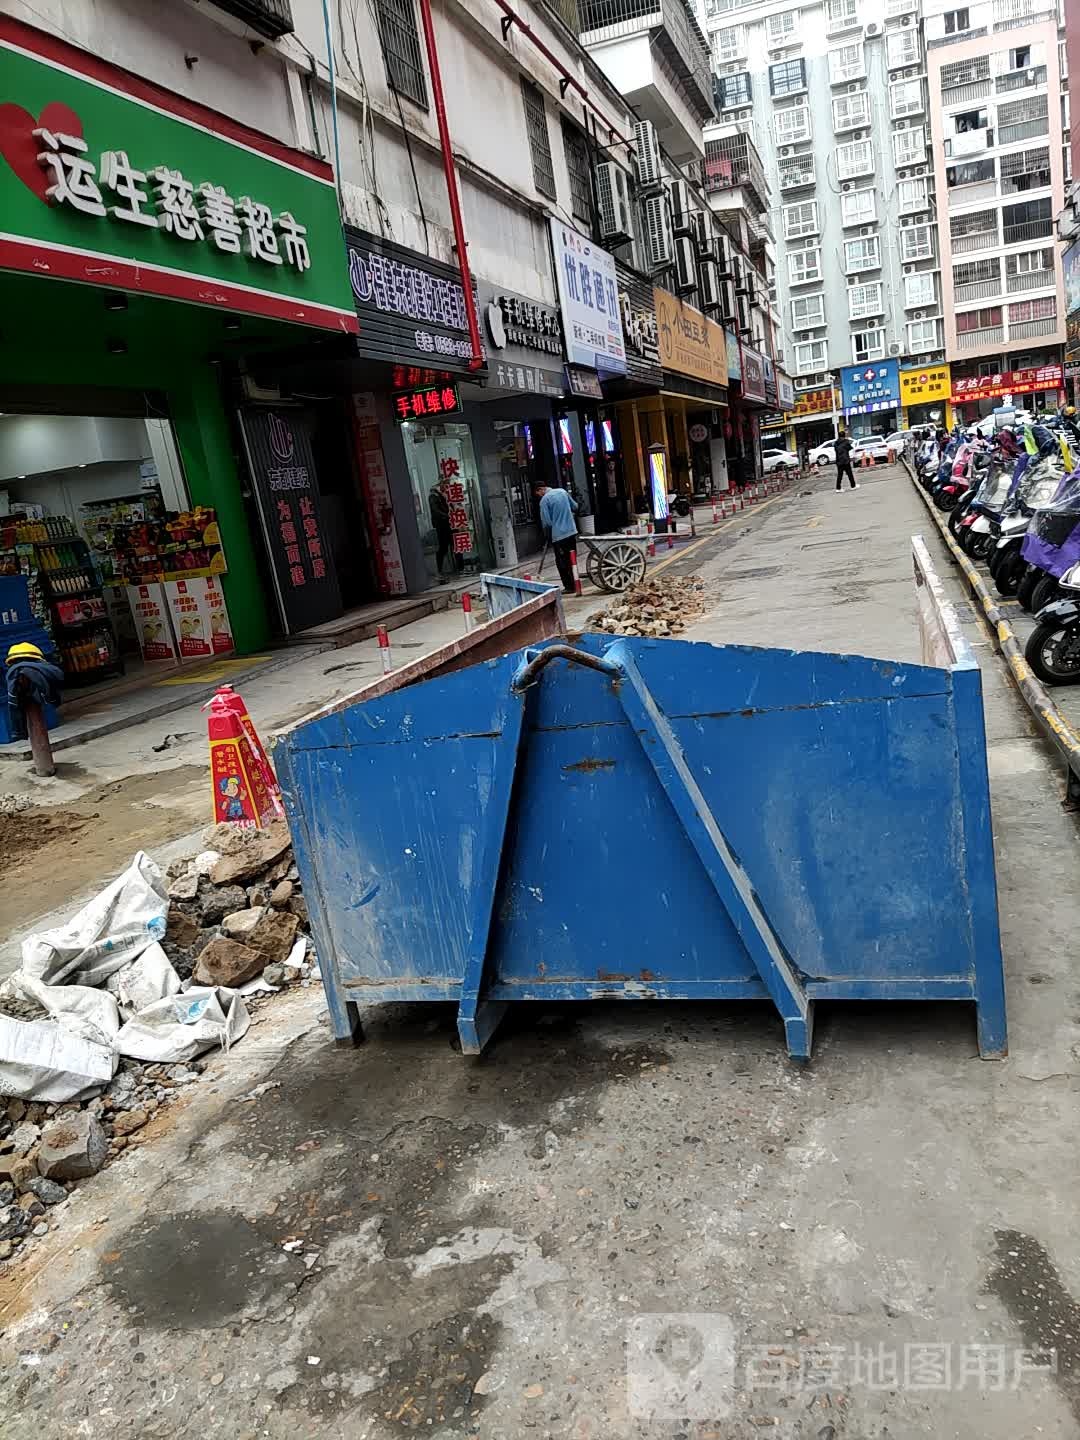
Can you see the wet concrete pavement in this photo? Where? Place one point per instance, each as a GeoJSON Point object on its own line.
{"type": "Point", "coordinates": [398, 1240]}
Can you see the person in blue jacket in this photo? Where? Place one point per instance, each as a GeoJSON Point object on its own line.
{"type": "Point", "coordinates": [557, 510]}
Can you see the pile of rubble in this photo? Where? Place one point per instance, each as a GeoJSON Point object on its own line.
{"type": "Point", "coordinates": [236, 915]}
{"type": "Point", "coordinates": [661, 606]}
{"type": "Point", "coordinates": [236, 911]}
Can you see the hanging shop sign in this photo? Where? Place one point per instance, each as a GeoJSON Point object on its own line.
{"type": "Point", "coordinates": [583, 383]}
{"type": "Point", "coordinates": [814, 402]}
{"type": "Point", "coordinates": [690, 343]}
{"type": "Point", "coordinates": [920, 387]}
{"type": "Point", "coordinates": [638, 310]}
{"type": "Point", "coordinates": [521, 334]}
{"type": "Point", "coordinates": [734, 369]}
{"type": "Point", "coordinates": [378, 502]}
{"type": "Point", "coordinates": [1070, 263]}
{"type": "Point", "coordinates": [772, 395]}
{"type": "Point", "coordinates": [411, 309]}
{"type": "Point", "coordinates": [868, 389]}
{"type": "Point", "coordinates": [108, 179]}
{"type": "Point", "coordinates": [753, 384]}
{"type": "Point", "coordinates": [1008, 382]}
{"type": "Point", "coordinates": [785, 390]}
{"type": "Point", "coordinates": [278, 444]}
{"type": "Point", "coordinates": [588, 290]}
{"type": "Point", "coordinates": [439, 400]}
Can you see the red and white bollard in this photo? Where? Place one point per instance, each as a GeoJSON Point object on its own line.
{"type": "Point", "coordinates": [574, 569]}
{"type": "Point", "coordinates": [466, 610]}
{"type": "Point", "coordinates": [671, 537]}
{"type": "Point", "coordinates": [693, 523]}
{"type": "Point", "coordinates": [652, 541]}
{"type": "Point", "coordinates": [384, 650]}
{"type": "Point", "coordinates": [715, 516]}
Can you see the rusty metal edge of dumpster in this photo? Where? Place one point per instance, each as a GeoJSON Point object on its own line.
{"type": "Point", "coordinates": [1048, 717]}
{"type": "Point", "coordinates": [526, 624]}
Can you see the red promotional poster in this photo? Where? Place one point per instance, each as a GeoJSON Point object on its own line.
{"type": "Point", "coordinates": [237, 775]}
{"type": "Point", "coordinates": [227, 699]}
{"type": "Point", "coordinates": [213, 601]}
{"type": "Point", "coordinates": [189, 621]}
{"type": "Point", "coordinates": [150, 611]}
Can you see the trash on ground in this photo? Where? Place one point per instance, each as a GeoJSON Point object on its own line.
{"type": "Point", "coordinates": [661, 606]}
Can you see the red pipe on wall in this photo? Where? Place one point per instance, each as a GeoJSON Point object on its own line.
{"type": "Point", "coordinates": [477, 358]}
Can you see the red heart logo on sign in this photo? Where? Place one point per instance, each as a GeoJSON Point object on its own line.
{"type": "Point", "coordinates": [20, 149]}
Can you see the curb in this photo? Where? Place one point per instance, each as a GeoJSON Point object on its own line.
{"type": "Point", "coordinates": [1048, 717]}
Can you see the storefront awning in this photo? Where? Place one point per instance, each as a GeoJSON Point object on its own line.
{"type": "Point", "coordinates": [681, 387]}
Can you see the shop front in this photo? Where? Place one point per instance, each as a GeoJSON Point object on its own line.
{"type": "Point", "coordinates": [149, 245]}
{"type": "Point", "coordinates": [870, 398]}
{"type": "Point", "coordinates": [589, 438]}
{"type": "Point", "coordinates": [1070, 262]}
{"type": "Point", "coordinates": [924, 397]}
{"type": "Point", "coordinates": [1036, 388]}
{"type": "Point", "coordinates": [749, 405]}
{"type": "Point", "coordinates": [777, 426]}
{"type": "Point", "coordinates": [626, 460]}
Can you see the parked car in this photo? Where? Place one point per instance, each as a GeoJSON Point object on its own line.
{"type": "Point", "coordinates": [823, 454]}
{"type": "Point", "coordinates": [775, 458]}
{"type": "Point", "coordinates": [899, 440]}
{"type": "Point", "coordinates": [875, 446]}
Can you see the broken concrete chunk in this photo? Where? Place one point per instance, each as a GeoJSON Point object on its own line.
{"type": "Point", "coordinates": [298, 906]}
{"type": "Point", "coordinates": [214, 903]}
{"type": "Point", "coordinates": [206, 861]}
{"type": "Point", "coordinates": [23, 1138]}
{"type": "Point", "coordinates": [240, 923]}
{"type": "Point", "coordinates": [72, 1148]}
{"type": "Point", "coordinates": [227, 962]}
{"type": "Point", "coordinates": [128, 1121]}
{"type": "Point", "coordinates": [13, 1222]}
{"type": "Point", "coordinates": [185, 887]}
{"type": "Point", "coordinates": [281, 894]}
{"type": "Point", "coordinates": [258, 894]}
{"type": "Point", "coordinates": [246, 853]}
{"type": "Point", "coordinates": [47, 1191]}
{"type": "Point", "coordinates": [271, 932]}
{"type": "Point", "coordinates": [182, 930]}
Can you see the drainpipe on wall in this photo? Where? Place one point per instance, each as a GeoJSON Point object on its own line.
{"type": "Point", "coordinates": [477, 358]}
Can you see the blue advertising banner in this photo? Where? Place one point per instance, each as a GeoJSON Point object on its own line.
{"type": "Point", "coordinates": [1071, 264]}
{"type": "Point", "coordinates": [867, 389]}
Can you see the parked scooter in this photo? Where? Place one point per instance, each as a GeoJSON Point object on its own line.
{"type": "Point", "coordinates": [1051, 544]}
{"type": "Point", "coordinates": [1053, 647]}
{"type": "Point", "coordinates": [1035, 487]}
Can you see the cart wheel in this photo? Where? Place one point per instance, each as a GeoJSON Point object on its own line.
{"type": "Point", "coordinates": [621, 565]}
{"type": "Point", "coordinates": [592, 569]}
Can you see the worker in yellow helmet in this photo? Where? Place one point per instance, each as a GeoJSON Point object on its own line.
{"type": "Point", "coordinates": [23, 650]}
{"type": "Point", "coordinates": [28, 678]}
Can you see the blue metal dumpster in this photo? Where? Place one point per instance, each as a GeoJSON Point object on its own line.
{"type": "Point", "coordinates": [640, 818]}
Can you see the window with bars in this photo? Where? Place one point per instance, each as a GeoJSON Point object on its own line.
{"type": "Point", "coordinates": [854, 159]}
{"type": "Point", "coordinates": [1025, 170]}
{"type": "Point", "coordinates": [916, 242]}
{"type": "Point", "coordinates": [965, 72]}
{"type": "Point", "coordinates": [865, 300]}
{"type": "Point", "coordinates": [539, 140]}
{"type": "Point", "coordinates": [1030, 262]}
{"type": "Point", "coordinates": [846, 62]}
{"type": "Point", "coordinates": [905, 98]}
{"type": "Point", "coordinates": [1030, 220]}
{"type": "Point", "coordinates": [402, 55]}
{"type": "Point", "coordinates": [977, 272]}
{"type": "Point", "coordinates": [792, 124]}
{"type": "Point", "coordinates": [909, 146]}
{"type": "Point", "coordinates": [988, 318]}
{"type": "Point", "coordinates": [801, 219]}
{"type": "Point", "coordinates": [922, 335]}
{"type": "Point", "coordinates": [780, 29]}
{"type": "Point", "coordinates": [851, 112]}
{"type": "Point", "coordinates": [576, 150]}
{"type": "Point", "coordinates": [811, 355]}
{"type": "Point", "coordinates": [867, 345]}
{"type": "Point", "coordinates": [976, 222]}
{"type": "Point", "coordinates": [804, 266]}
{"type": "Point", "coordinates": [734, 90]}
{"type": "Point", "coordinates": [919, 290]}
{"type": "Point", "coordinates": [971, 172]}
{"type": "Point", "coordinates": [858, 207]}
{"type": "Point", "coordinates": [841, 13]}
{"type": "Point", "coordinates": [1043, 308]}
{"type": "Point", "coordinates": [912, 195]}
{"type": "Point", "coordinates": [862, 254]}
{"type": "Point", "coordinates": [1016, 112]}
{"type": "Point", "coordinates": [807, 311]}
{"type": "Point", "coordinates": [901, 48]}
{"type": "Point", "coordinates": [787, 78]}
{"type": "Point", "coordinates": [729, 44]}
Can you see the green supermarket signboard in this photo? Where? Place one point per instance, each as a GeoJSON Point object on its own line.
{"type": "Point", "coordinates": [110, 180]}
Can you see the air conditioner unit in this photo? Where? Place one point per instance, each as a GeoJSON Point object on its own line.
{"type": "Point", "coordinates": [853, 89]}
{"type": "Point", "coordinates": [727, 302]}
{"type": "Point", "coordinates": [710, 286]}
{"type": "Point", "coordinates": [920, 171]}
{"type": "Point", "coordinates": [724, 259]}
{"type": "Point", "coordinates": [903, 174]}
{"type": "Point", "coordinates": [894, 349]}
{"type": "Point", "coordinates": [613, 198]}
{"type": "Point", "coordinates": [685, 265]}
{"type": "Point", "coordinates": [737, 273]}
{"type": "Point", "coordinates": [658, 247]}
{"type": "Point", "coordinates": [910, 73]}
{"type": "Point", "coordinates": [702, 231]}
{"type": "Point", "coordinates": [786, 150]}
{"type": "Point", "coordinates": [901, 124]}
{"type": "Point", "coordinates": [742, 313]}
{"type": "Point", "coordinates": [650, 165]}
{"type": "Point", "coordinates": [846, 186]}
{"type": "Point", "coordinates": [905, 20]}
{"type": "Point", "coordinates": [872, 30]}
{"type": "Point", "coordinates": [744, 279]}
{"type": "Point", "coordinates": [909, 269]}
{"type": "Point", "coordinates": [681, 207]}
{"type": "Point", "coordinates": [867, 230]}
{"type": "Point", "coordinates": [918, 314]}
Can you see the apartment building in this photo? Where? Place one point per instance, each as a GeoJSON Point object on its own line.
{"type": "Point", "coordinates": [1000, 134]}
{"type": "Point", "coordinates": [832, 96]}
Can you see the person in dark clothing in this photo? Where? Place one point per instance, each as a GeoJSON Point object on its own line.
{"type": "Point", "coordinates": [843, 462]}
{"type": "Point", "coordinates": [439, 507]}
{"type": "Point", "coordinates": [557, 510]}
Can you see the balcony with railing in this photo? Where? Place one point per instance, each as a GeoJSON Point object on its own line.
{"type": "Point", "coordinates": [1030, 280]}
{"type": "Point", "coordinates": [672, 28]}
{"type": "Point", "coordinates": [732, 163]}
{"type": "Point", "coordinates": [969, 142]}
{"type": "Point", "coordinates": [968, 241]}
{"type": "Point", "coordinates": [1011, 14]}
{"type": "Point", "coordinates": [980, 339]}
{"type": "Point", "coordinates": [896, 8]}
{"type": "Point", "coordinates": [1028, 230]}
{"type": "Point", "coordinates": [1028, 79]}
{"type": "Point", "coordinates": [797, 174]}
{"type": "Point", "coordinates": [272, 18]}
{"type": "Point", "coordinates": [977, 290]}
{"type": "Point", "coordinates": [968, 194]}
{"type": "Point", "coordinates": [1029, 329]}
{"type": "Point", "coordinates": [937, 41]}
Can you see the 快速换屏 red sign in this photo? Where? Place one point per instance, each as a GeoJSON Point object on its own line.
{"type": "Point", "coordinates": [110, 180]}
{"type": "Point", "coordinates": [1008, 382]}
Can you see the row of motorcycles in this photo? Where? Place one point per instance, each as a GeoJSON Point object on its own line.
{"type": "Point", "coordinates": [1013, 502]}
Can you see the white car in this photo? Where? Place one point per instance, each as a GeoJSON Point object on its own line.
{"type": "Point", "coordinates": [774, 458]}
{"type": "Point", "coordinates": [899, 440]}
{"type": "Point", "coordinates": [874, 446]}
{"type": "Point", "coordinates": [823, 454]}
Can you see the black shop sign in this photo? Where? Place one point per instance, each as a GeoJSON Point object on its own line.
{"type": "Point", "coordinates": [282, 464]}
{"type": "Point", "coordinates": [638, 310]}
{"type": "Point", "coordinates": [411, 309]}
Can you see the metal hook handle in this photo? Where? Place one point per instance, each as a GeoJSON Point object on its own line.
{"type": "Point", "coordinates": [535, 661]}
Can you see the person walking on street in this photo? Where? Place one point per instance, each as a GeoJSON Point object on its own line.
{"type": "Point", "coordinates": [439, 507]}
{"type": "Point", "coordinates": [843, 462]}
{"type": "Point", "coordinates": [557, 519]}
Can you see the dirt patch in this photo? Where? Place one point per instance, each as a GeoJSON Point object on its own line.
{"type": "Point", "coordinates": [73, 848]}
